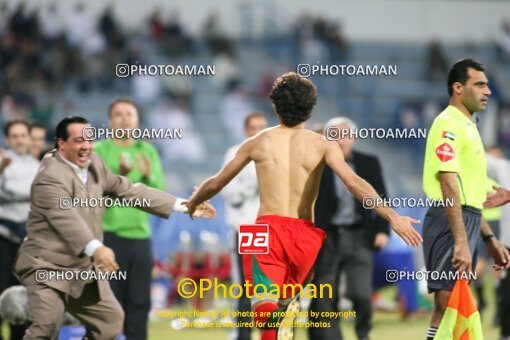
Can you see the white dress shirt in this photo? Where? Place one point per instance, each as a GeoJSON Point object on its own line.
{"type": "Point", "coordinates": [83, 175]}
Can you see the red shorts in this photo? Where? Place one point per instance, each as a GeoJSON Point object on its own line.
{"type": "Point", "coordinates": [293, 248]}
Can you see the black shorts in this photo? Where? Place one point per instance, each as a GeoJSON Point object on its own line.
{"type": "Point", "coordinates": [438, 243]}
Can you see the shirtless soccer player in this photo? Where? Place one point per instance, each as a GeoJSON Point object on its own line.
{"type": "Point", "coordinates": [289, 160]}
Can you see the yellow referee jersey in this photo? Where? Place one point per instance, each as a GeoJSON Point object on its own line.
{"type": "Point", "coordinates": [454, 145]}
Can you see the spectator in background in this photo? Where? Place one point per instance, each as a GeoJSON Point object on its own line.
{"type": "Point", "coordinates": [214, 36]}
{"type": "Point", "coordinates": [234, 108]}
{"type": "Point", "coordinates": [242, 204]}
{"type": "Point", "coordinates": [504, 41]}
{"type": "Point", "coordinates": [320, 40]}
{"type": "Point", "coordinates": [176, 43]}
{"type": "Point", "coordinates": [107, 24]}
{"type": "Point", "coordinates": [227, 71]}
{"type": "Point", "coordinates": [498, 169]}
{"type": "Point", "coordinates": [436, 63]}
{"type": "Point", "coordinates": [21, 24]}
{"type": "Point", "coordinates": [338, 42]}
{"type": "Point", "coordinates": [330, 33]}
{"type": "Point", "coordinates": [353, 233]}
{"type": "Point", "coordinates": [156, 25]}
{"type": "Point", "coordinates": [21, 55]}
{"type": "Point", "coordinates": [83, 32]}
{"type": "Point", "coordinates": [175, 115]}
{"type": "Point", "coordinates": [411, 117]}
{"type": "Point", "coordinates": [126, 230]}
{"type": "Point", "coordinates": [38, 145]}
{"type": "Point", "coordinates": [84, 35]}
{"type": "Point", "coordinates": [80, 25]}
{"type": "Point", "coordinates": [173, 25]}
{"type": "Point", "coordinates": [50, 24]}
{"type": "Point", "coordinates": [17, 171]}
{"type": "Point", "coordinates": [504, 124]}
{"type": "Point", "coordinates": [109, 28]}
{"type": "Point", "coordinates": [9, 108]}
{"type": "Point", "coordinates": [4, 18]}
{"type": "Point", "coordinates": [483, 265]}
{"type": "Point", "coordinates": [178, 86]}
{"type": "Point", "coordinates": [312, 50]}
{"type": "Point", "coordinates": [303, 27]}
{"type": "Point", "coordinates": [146, 89]}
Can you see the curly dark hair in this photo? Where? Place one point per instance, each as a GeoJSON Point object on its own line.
{"type": "Point", "coordinates": [294, 98]}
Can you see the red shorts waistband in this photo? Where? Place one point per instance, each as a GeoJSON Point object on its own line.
{"type": "Point", "coordinates": [278, 218]}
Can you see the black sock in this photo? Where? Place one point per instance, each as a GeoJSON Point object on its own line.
{"type": "Point", "coordinates": [431, 333]}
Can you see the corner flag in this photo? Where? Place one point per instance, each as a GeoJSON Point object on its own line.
{"type": "Point", "coordinates": [461, 320]}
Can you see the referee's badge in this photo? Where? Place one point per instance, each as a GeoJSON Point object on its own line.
{"type": "Point", "coordinates": [449, 135]}
{"type": "Point", "coordinates": [445, 152]}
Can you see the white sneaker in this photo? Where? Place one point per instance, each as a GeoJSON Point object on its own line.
{"type": "Point", "coordinates": [286, 329]}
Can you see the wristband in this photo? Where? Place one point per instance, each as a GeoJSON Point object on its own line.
{"type": "Point", "coordinates": [487, 237]}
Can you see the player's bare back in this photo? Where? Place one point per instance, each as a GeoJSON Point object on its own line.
{"type": "Point", "coordinates": [289, 163]}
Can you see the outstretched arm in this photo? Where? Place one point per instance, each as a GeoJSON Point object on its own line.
{"type": "Point", "coordinates": [497, 199]}
{"type": "Point", "coordinates": [361, 189]}
{"type": "Point", "coordinates": [161, 203]}
{"type": "Point", "coordinates": [214, 184]}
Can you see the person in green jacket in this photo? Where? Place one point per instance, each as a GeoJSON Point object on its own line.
{"type": "Point", "coordinates": [127, 230]}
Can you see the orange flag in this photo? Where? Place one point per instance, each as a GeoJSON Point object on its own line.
{"type": "Point", "coordinates": [461, 320]}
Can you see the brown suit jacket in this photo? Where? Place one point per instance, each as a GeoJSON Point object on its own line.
{"type": "Point", "coordinates": [56, 238]}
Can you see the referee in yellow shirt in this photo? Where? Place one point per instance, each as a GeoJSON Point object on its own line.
{"type": "Point", "coordinates": [455, 171]}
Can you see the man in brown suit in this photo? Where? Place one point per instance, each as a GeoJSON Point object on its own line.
{"type": "Point", "coordinates": [64, 238]}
